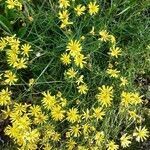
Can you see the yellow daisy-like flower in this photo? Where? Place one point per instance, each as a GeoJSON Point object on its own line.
{"type": "Point", "coordinates": [74, 47]}
{"type": "Point", "coordinates": [26, 48]}
{"type": "Point", "coordinates": [6, 113]}
{"type": "Point", "coordinates": [35, 110]}
{"type": "Point", "coordinates": [5, 97]}
{"type": "Point", "coordinates": [65, 58]}
{"type": "Point", "coordinates": [65, 23]}
{"type": "Point", "coordinates": [82, 89]}
{"type": "Point", "coordinates": [12, 59]}
{"type": "Point", "coordinates": [98, 113]}
{"type": "Point", "coordinates": [40, 118]}
{"type": "Point", "coordinates": [125, 140]}
{"type": "Point", "coordinates": [105, 95]}
{"type": "Point", "coordinates": [80, 80]}
{"type": "Point", "coordinates": [21, 63]}
{"type": "Point", "coordinates": [80, 10]}
{"type": "Point", "coordinates": [133, 115]}
{"type": "Point", "coordinates": [11, 4]}
{"type": "Point", "coordinates": [11, 78]}
{"type": "Point", "coordinates": [136, 98]}
{"type": "Point", "coordinates": [93, 8]}
{"type": "Point", "coordinates": [141, 134]}
{"type": "Point", "coordinates": [75, 131]}
{"type": "Point", "coordinates": [79, 60]}
{"type": "Point", "coordinates": [115, 51]}
{"type": "Point", "coordinates": [63, 15]}
{"type": "Point", "coordinates": [112, 146]}
{"type": "Point", "coordinates": [104, 35]}
{"type": "Point", "coordinates": [48, 101]}
{"type": "Point", "coordinates": [124, 81]}
{"type": "Point", "coordinates": [57, 113]}
{"type": "Point", "coordinates": [72, 115]}
{"type": "Point", "coordinates": [99, 137]}
{"type": "Point", "coordinates": [113, 72]}
{"type": "Point", "coordinates": [86, 115]}
{"type": "Point", "coordinates": [3, 44]}
{"type": "Point", "coordinates": [64, 3]}
{"type": "Point", "coordinates": [126, 98]}
{"type": "Point", "coordinates": [71, 144]}
{"type": "Point", "coordinates": [71, 73]}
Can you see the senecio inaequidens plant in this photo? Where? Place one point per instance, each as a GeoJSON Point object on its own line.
{"type": "Point", "coordinates": [54, 123]}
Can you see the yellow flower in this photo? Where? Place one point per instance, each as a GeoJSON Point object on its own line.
{"type": "Point", "coordinates": [65, 23]}
{"type": "Point", "coordinates": [57, 113]}
{"type": "Point", "coordinates": [82, 89]}
{"type": "Point", "coordinates": [125, 140]}
{"type": "Point", "coordinates": [74, 47]}
{"type": "Point", "coordinates": [115, 51]}
{"type": "Point", "coordinates": [71, 144]}
{"type": "Point", "coordinates": [105, 95]}
{"type": "Point", "coordinates": [86, 115]}
{"type": "Point", "coordinates": [71, 73]}
{"type": "Point", "coordinates": [104, 35]}
{"type": "Point", "coordinates": [112, 39]}
{"type": "Point", "coordinates": [19, 108]}
{"type": "Point", "coordinates": [21, 63]}
{"type": "Point", "coordinates": [5, 97]}
{"type": "Point", "coordinates": [79, 60]}
{"type": "Point", "coordinates": [63, 15]}
{"type": "Point", "coordinates": [99, 138]}
{"type": "Point", "coordinates": [26, 48]}
{"type": "Point", "coordinates": [56, 137]}
{"type": "Point", "coordinates": [98, 113]}
{"type": "Point", "coordinates": [64, 3]}
{"type": "Point", "coordinates": [141, 134]}
{"type": "Point", "coordinates": [10, 78]}
{"type": "Point", "coordinates": [65, 58]}
{"type": "Point", "coordinates": [75, 131]}
{"type": "Point", "coordinates": [48, 101]}
{"type": "Point", "coordinates": [124, 81]}
{"type": "Point", "coordinates": [3, 44]}
{"type": "Point", "coordinates": [86, 129]}
{"type": "Point", "coordinates": [12, 131]}
{"type": "Point", "coordinates": [6, 112]}
{"type": "Point", "coordinates": [126, 98]}
{"type": "Point", "coordinates": [133, 115]}
{"type": "Point", "coordinates": [80, 80]}
{"type": "Point", "coordinates": [112, 146]}
{"type": "Point", "coordinates": [93, 8]}
{"type": "Point", "coordinates": [80, 10]}
{"type": "Point", "coordinates": [31, 135]}
{"type": "Point", "coordinates": [12, 58]}
{"type": "Point", "coordinates": [136, 98]}
{"type": "Point", "coordinates": [72, 115]}
{"type": "Point", "coordinates": [113, 72]}
{"type": "Point", "coordinates": [11, 4]}
{"type": "Point", "coordinates": [40, 118]}
{"type": "Point", "coordinates": [35, 110]}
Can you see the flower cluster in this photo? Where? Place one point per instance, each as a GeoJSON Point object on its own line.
{"type": "Point", "coordinates": [17, 56]}
{"type": "Point", "coordinates": [82, 117]}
